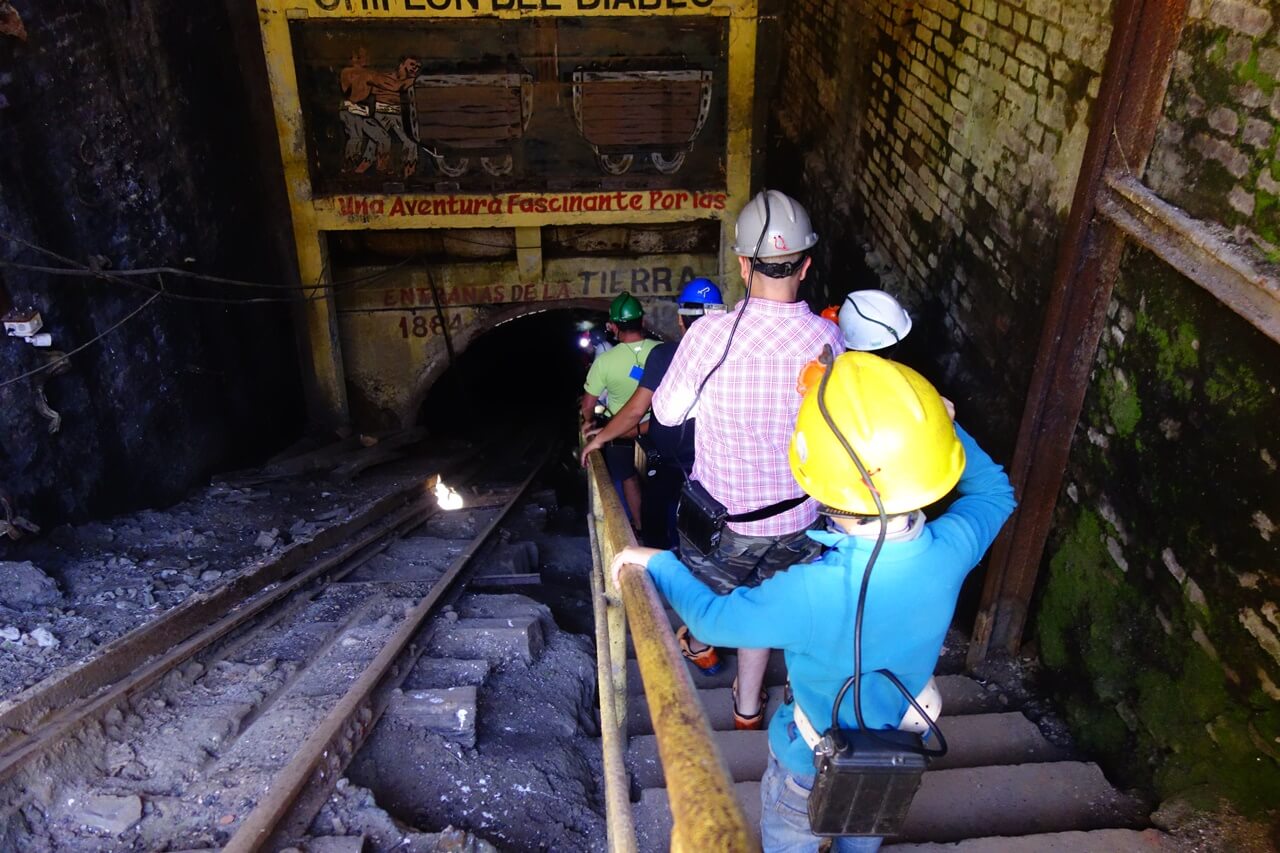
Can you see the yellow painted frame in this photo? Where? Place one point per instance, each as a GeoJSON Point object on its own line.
{"type": "Point", "coordinates": [313, 216]}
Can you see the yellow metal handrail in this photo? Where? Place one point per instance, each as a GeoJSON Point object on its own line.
{"type": "Point", "coordinates": [704, 809]}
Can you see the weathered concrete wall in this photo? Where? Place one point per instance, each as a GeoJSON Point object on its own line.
{"type": "Point", "coordinates": [127, 135]}
{"type": "Point", "coordinates": [946, 139]}
{"type": "Point", "coordinates": [1163, 589]}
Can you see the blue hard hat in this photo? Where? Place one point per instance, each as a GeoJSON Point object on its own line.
{"type": "Point", "coordinates": [700, 291]}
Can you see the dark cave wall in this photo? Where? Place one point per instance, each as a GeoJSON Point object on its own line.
{"type": "Point", "coordinates": [133, 135]}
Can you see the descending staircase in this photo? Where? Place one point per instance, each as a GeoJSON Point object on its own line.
{"type": "Point", "coordinates": [1002, 787]}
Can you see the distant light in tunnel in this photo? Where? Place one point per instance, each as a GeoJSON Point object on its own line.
{"type": "Point", "coordinates": [447, 498]}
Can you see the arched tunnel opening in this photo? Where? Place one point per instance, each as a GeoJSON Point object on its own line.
{"type": "Point", "coordinates": [525, 371]}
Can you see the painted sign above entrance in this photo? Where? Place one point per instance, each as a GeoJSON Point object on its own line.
{"type": "Point", "coordinates": [438, 8]}
{"type": "Point", "coordinates": [393, 211]}
{"type": "Point", "coordinates": [597, 139]}
{"type": "Point", "coordinates": [489, 104]}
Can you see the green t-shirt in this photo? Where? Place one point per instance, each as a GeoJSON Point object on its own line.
{"type": "Point", "coordinates": [618, 371]}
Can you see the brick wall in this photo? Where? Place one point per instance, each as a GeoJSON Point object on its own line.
{"type": "Point", "coordinates": [1215, 154]}
{"type": "Point", "coordinates": [945, 137]}
{"type": "Point", "coordinates": [1161, 604]}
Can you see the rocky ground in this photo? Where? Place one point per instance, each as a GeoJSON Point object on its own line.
{"type": "Point", "coordinates": [80, 588]}
{"type": "Point", "coordinates": [65, 595]}
{"type": "Point", "coordinates": [531, 780]}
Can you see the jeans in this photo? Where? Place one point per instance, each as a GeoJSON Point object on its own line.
{"type": "Point", "coordinates": [742, 560]}
{"type": "Point", "coordinates": [784, 815]}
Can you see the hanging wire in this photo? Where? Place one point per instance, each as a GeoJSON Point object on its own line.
{"type": "Point", "coordinates": [67, 355]}
{"type": "Point", "coordinates": [75, 268]}
{"type": "Point", "coordinates": [315, 292]}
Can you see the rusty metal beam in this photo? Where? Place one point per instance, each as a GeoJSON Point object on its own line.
{"type": "Point", "coordinates": [1197, 250]}
{"type": "Point", "coordinates": [1144, 39]}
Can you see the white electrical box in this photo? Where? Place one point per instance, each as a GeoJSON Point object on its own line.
{"type": "Point", "coordinates": [22, 324]}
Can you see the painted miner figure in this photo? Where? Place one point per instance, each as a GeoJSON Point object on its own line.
{"type": "Point", "coordinates": [373, 112]}
{"type": "Point", "coordinates": [364, 135]}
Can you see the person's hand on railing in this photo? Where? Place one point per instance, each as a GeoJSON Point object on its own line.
{"type": "Point", "coordinates": [593, 443]}
{"type": "Point", "coordinates": [632, 555]}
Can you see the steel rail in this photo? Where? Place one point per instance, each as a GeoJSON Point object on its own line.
{"type": "Point", "coordinates": [159, 654]}
{"type": "Point", "coordinates": [301, 788]}
{"type": "Point", "coordinates": [119, 658]}
{"type": "Point", "coordinates": [704, 808]}
{"type": "Point", "coordinates": [619, 822]}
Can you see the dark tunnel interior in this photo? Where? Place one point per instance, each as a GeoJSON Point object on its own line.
{"type": "Point", "coordinates": [522, 374]}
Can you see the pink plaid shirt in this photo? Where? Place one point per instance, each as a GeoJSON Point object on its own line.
{"type": "Point", "coordinates": [748, 409]}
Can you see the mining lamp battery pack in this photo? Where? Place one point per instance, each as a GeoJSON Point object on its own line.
{"type": "Point", "coordinates": [866, 788]}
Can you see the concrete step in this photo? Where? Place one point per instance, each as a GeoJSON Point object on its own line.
{"type": "Point", "coordinates": [960, 696]}
{"type": "Point", "coordinates": [512, 558]}
{"type": "Point", "coordinates": [974, 741]}
{"type": "Point", "coordinates": [1096, 841]}
{"type": "Point", "coordinates": [436, 673]}
{"type": "Point", "coordinates": [717, 702]}
{"type": "Point", "coordinates": [744, 752]}
{"type": "Point", "coordinates": [506, 606]}
{"type": "Point", "coordinates": [964, 803]}
{"type": "Point", "coordinates": [449, 712]}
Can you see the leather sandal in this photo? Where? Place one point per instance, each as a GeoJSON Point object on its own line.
{"type": "Point", "coordinates": [707, 661]}
{"type": "Point", "coordinates": [756, 721]}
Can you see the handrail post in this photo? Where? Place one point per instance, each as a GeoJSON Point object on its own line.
{"type": "Point", "coordinates": [613, 724]}
{"type": "Point", "coordinates": [704, 807]}
{"type": "Point", "coordinates": [615, 613]}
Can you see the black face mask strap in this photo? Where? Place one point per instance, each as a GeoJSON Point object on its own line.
{"type": "Point", "coordinates": [778, 269]}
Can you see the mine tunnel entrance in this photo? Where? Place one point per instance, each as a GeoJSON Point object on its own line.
{"type": "Point", "coordinates": [523, 372]}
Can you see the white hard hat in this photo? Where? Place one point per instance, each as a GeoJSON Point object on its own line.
{"type": "Point", "coordinates": [872, 320]}
{"type": "Point", "coordinates": [775, 223]}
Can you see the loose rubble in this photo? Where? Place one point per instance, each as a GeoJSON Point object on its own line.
{"type": "Point", "coordinates": [22, 585]}
{"type": "Point", "coordinates": [64, 596]}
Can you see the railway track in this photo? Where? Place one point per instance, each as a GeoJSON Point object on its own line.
{"type": "Point", "coordinates": [234, 715]}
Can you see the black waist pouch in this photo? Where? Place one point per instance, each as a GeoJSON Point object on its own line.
{"type": "Point", "coordinates": [700, 518]}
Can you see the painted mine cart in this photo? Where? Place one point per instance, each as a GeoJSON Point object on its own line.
{"type": "Point", "coordinates": [461, 118]}
{"type": "Point", "coordinates": [622, 114]}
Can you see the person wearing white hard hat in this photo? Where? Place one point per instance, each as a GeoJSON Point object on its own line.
{"type": "Point", "coordinates": [742, 518]}
{"type": "Point", "coordinates": [872, 320]}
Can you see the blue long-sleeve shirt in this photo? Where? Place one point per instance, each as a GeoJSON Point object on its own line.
{"type": "Point", "coordinates": [808, 610]}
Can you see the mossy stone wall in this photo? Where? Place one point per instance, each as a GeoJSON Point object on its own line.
{"type": "Point", "coordinates": [1160, 611]}
{"type": "Point", "coordinates": [937, 145]}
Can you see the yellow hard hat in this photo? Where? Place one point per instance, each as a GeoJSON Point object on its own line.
{"type": "Point", "coordinates": [897, 424]}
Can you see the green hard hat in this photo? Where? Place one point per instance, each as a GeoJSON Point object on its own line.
{"type": "Point", "coordinates": [625, 307]}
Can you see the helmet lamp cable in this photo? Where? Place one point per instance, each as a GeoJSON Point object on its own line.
{"type": "Point", "coordinates": [896, 338]}
{"type": "Point", "coordinates": [855, 681]}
